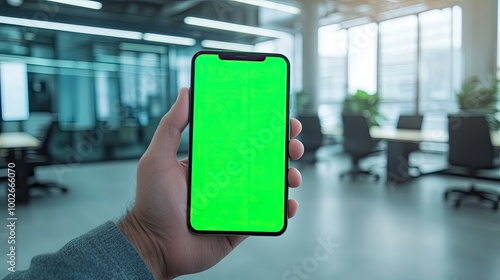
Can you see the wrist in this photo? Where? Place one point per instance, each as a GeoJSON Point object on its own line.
{"type": "Point", "coordinates": [145, 244]}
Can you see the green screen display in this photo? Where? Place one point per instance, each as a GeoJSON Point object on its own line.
{"type": "Point", "coordinates": [239, 134]}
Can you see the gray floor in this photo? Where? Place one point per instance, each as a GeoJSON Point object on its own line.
{"type": "Point", "coordinates": [343, 230]}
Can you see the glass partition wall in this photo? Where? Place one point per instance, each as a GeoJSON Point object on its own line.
{"type": "Point", "coordinates": [107, 95]}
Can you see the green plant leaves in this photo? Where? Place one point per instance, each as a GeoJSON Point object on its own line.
{"type": "Point", "coordinates": [364, 103]}
{"type": "Point", "coordinates": [479, 97]}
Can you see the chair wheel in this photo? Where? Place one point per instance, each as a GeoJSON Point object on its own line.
{"type": "Point", "coordinates": [446, 196]}
{"type": "Point", "coordinates": [496, 206]}
{"type": "Point", "coordinates": [377, 177]}
{"type": "Point", "coordinates": [457, 203]}
{"type": "Point", "coordinates": [64, 190]}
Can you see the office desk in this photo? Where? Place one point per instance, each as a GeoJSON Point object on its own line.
{"type": "Point", "coordinates": [417, 136]}
{"type": "Point", "coordinates": [397, 170]}
{"type": "Point", "coordinates": [397, 158]}
{"type": "Point", "coordinates": [408, 135]}
{"type": "Point", "coordinates": [16, 143]}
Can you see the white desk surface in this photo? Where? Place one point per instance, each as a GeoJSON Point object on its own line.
{"type": "Point", "coordinates": [407, 135]}
{"type": "Point", "coordinates": [13, 140]}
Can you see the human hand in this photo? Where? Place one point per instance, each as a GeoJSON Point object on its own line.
{"type": "Point", "coordinates": [157, 225]}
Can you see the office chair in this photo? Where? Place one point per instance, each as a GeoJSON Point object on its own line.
{"type": "Point", "coordinates": [311, 136]}
{"type": "Point", "coordinates": [413, 122]}
{"type": "Point", "coordinates": [42, 157]}
{"type": "Point", "coordinates": [358, 143]}
{"type": "Point", "coordinates": [410, 122]}
{"type": "Point", "coordinates": [470, 147]}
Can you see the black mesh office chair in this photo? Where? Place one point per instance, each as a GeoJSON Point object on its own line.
{"type": "Point", "coordinates": [311, 136]}
{"type": "Point", "coordinates": [413, 122]}
{"type": "Point", "coordinates": [358, 143]}
{"type": "Point", "coordinates": [41, 157]}
{"type": "Point", "coordinates": [470, 147]}
{"type": "Point", "coordinates": [410, 122]}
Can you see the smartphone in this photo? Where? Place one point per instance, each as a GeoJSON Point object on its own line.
{"type": "Point", "coordinates": [239, 132]}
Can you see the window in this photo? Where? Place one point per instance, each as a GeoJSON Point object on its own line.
{"type": "Point", "coordinates": [398, 67]}
{"type": "Point", "coordinates": [128, 79]}
{"type": "Point", "coordinates": [106, 85]}
{"type": "Point", "coordinates": [413, 62]}
{"type": "Point", "coordinates": [436, 57]}
{"type": "Point", "coordinates": [14, 91]}
{"type": "Point", "coordinates": [142, 81]}
{"type": "Point", "coordinates": [332, 63]}
{"type": "Point", "coordinates": [332, 72]}
{"type": "Point", "coordinates": [436, 95]}
{"type": "Point", "coordinates": [362, 58]}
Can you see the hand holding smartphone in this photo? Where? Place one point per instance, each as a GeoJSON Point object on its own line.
{"type": "Point", "coordinates": [239, 132]}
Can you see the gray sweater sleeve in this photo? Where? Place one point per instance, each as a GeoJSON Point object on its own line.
{"type": "Point", "coordinates": [103, 253]}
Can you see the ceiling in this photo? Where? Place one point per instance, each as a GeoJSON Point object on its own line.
{"type": "Point", "coordinates": [342, 11]}
{"type": "Point", "coordinates": [166, 16]}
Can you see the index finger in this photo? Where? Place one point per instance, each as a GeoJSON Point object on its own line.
{"type": "Point", "coordinates": [296, 127]}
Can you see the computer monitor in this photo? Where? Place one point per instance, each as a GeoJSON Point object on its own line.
{"type": "Point", "coordinates": [14, 91]}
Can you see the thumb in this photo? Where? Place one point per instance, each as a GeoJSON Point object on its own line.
{"type": "Point", "coordinates": [168, 134]}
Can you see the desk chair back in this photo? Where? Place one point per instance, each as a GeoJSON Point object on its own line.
{"type": "Point", "coordinates": [45, 147]}
{"type": "Point", "coordinates": [410, 122]}
{"type": "Point", "coordinates": [44, 156]}
{"type": "Point", "coordinates": [470, 142]}
{"type": "Point", "coordinates": [357, 138]}
{"type": "Point", "coordinates": [311, 135]}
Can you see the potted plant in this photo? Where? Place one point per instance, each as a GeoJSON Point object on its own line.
{"type": "Point", "coordinates": [476, 96]}
{"type": "Point", "coordinates": [364, 103]}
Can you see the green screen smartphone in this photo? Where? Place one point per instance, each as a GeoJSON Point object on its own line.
{"type": "Point", "coordinates": [239, 133]}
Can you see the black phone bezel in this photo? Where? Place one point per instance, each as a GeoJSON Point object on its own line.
{"type": "Point", "coordinates": [246, 56]}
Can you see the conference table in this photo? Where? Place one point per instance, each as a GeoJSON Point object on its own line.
{"type": "Point", "coordinates": [16, 144]}
{"type": "Point", "coordinates": [397, 169]}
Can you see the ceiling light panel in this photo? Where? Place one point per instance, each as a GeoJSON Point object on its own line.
{"type": "Point", "coordinates": [72, 28]}
{"type": "Point", "coordinates": [94, 5]}
{"type": "Point", "coordinates": [271, 5]}
{"type": "Point", "coordinates": [99, 31]}
{"type": "Point", "coordinates": [226, 46]}
{"type": "Point", "coordinates": [208, 23]}
{"type": "Point", "coordinates": [169, 39]}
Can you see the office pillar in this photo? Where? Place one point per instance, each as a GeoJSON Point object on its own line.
{"type": "Point", "coordinates": [479, 37]}
{"type": "Point", "coordinates": [310, 55]}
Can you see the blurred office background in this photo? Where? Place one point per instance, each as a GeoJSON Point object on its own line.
{"type": "Point", "coordinates": [89, 81]}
